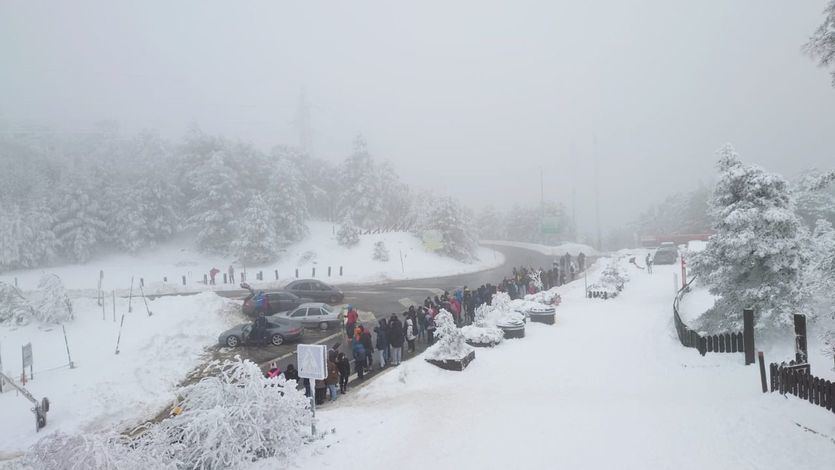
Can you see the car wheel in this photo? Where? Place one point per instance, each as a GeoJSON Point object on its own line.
{"type": "Point", "coordinates": [277, 340]}
{"type": "Point", "coordinates": [232, 341]}
{"type": "Point", "coordinates": [323, 326]}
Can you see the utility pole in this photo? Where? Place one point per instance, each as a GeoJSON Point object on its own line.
{"type": "Point", "coordinates": [597, 194]}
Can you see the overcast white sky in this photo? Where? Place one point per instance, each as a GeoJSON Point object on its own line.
{"type": "Point", "coordinates": [468, 98]}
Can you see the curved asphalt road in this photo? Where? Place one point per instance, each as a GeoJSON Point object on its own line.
{"type": "Point", "coordinates": [381, 300]}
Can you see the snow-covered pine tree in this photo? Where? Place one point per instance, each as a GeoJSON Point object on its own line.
{"type": "Point", "coordinates": [80, 225]}
{"type": "Point", "coordinates": [287, 202]}
{"type": "Point", "coordinates": [756, 256]}
{"type": "Point", "coordinates": [360, 188]}
{"type": "Point", "coordinates": [490, 224]}
{"type": "Point", "coordinates": [381, 253]}
{"type": "Point", "coordinates": [820, 275]}
{"type": "Point", "coordinates": [50, 301]}
{"type": "Point", "coordinates": [348, 234]}
{"type": "Point", "coordinates": [815, 195]}
{"type": "Point", "coordinates": [256, 238]}
{"type": "Point", "coordinates": [821, 45]}
{"type": "Point", "coordinates": [219, 197]}
{"type": "Point", "coordinates": [455, 224]}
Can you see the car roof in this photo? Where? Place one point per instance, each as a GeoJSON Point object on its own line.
{"type": "Point", "coordinates": [312, 305]}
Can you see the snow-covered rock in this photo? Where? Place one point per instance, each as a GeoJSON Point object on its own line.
{"type": "Point", "coordinates": [51, 303]}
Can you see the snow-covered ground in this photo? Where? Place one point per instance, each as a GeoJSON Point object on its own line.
{"type": "Point", "coordinates": [558, 250]}
{"type": "Point", "coordinates": [319, 249]}
{"type": "Point", "coordinates": [106, 390]}
{"type": "Point", "coordinates": [609, 386]}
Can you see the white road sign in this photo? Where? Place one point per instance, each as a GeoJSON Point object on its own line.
{"type": "Point", "coordinates": [313, 363]}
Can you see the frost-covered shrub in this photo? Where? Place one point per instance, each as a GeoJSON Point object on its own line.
{"type": "Point", "coordinates": [451, 343]}
{"type": "Point", "coordinates": [381, 253]}
{"type": "Point", "coordinates": [90, 451]}
{"type": "Point", "coordinates": [228, 420]}
{"type": "Point", "coordinates": [482, 331]}
{"type": "Point", "coordinates": [499, 312]}
{"type": "Point", "coordinates": [51, 302]}
{"type": "Point", "coordinates": [613, 276]}
{"type": "Point", "coordinates": [235, 417]}
{"type": "Point", "coordinates": [482, 335]}
{"type": "Point", "coordinates": [547, 297]}
{"type": "Point", "coordinates": [348, 234]}
{"type": "Point", "coordinates": [14, 308]}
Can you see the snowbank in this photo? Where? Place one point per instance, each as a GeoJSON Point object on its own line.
{"type": "Point", "coordinates": [320, 250]}
{"type": "Point", "coordinates": [105, 390]}
{"type": "Point", "coordinates": [573, 249]}
{"type": "Point", "coordinates": [610, 387]}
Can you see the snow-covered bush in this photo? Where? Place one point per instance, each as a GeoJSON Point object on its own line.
{"type": "Point", "coordinates": [547, 297]}
{"type": "Point", "coordinates": [228, 420]}
{"type": "Point", "coordinates": [381, 253]}
{"type": "Point", "coordinates": [756, 255]}
{"type": "Point", "coordinates": [51, 302]}
{"type": "Point", "coordinates": [235, 417]}
{"type": "Point", "coordinates": [90, 451]}
{"type": "Point", "coordinates": [348, 234]}
{"type": "Point", "coordinates": [14, 308]}
{"type": "Point", "coordinates": [451, 344]}
{"type": "Point", "coordinates": [500, 312]}
{"type": "Point", "coordinates": [482, 331]}
{"type": "Point", "coordinates": [613, 276]}
{"type": "Point", "coordinates": [479, 335]}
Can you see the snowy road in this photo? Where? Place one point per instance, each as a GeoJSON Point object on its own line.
{"type": "Point", "coordinates": [608, 387]}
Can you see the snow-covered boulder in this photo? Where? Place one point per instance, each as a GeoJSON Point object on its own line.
{"type": "Point", "coordinates": [14, 308]}
{"type": "Point", "coordinates": [51, 302]}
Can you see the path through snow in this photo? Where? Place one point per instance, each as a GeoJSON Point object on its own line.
{"type": "Point", "coordinates": [608, 386]}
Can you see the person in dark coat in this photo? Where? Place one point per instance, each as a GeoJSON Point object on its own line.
{"type": "Point", "coordinates": [430, 328]}
{"type": "Point", "coordinates": [343, 365]}
{"type": "Point", "coordinates": [382, 341]}
{"type": "Point", "coordinates": [291, 373]}
{"type": "Point", "coordinates": [368, 344]}
{"type": "Point", "coordinates": [395, 337]}
{"type": "Point", "coordinates": [360, 360]}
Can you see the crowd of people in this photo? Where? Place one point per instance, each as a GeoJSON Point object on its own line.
{"type": "Point", "coordinates": [528, 280]}
{"type": "Point", "coordinates": [397, 335]}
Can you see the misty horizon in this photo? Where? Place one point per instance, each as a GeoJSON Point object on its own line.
{"type": "Point", "coordinates": [469, 100]}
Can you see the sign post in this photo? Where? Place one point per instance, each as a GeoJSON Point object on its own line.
{"type": "Point", "coordinates": [683, 272]}
{"type": "Point", "coordinates": [313, 365]}
{"type": "Point", "coordinates": [27, 360]}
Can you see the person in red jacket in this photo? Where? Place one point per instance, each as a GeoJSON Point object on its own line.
{"type": "Point", "coordinates": [351, 321]}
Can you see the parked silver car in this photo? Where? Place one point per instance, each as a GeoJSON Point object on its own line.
{"type": "Point", "coordinates": [315, 315]}
{"type": "Point", "coordinates": [278, 331]}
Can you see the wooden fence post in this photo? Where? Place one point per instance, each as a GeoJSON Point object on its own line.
{"type": "Point", "coordinates": [276, 274]}
{"type": "Point", "coordinates": [800, 347]}
{"type": "Point", "coordinates": [748, 335]}
{"type": "Point", "coordinates": [762, 371]}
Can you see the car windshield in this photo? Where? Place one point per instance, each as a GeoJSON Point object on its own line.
{"type": "Point", "coordinates": [328, 309]}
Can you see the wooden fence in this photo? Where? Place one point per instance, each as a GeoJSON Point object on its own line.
{"type": "Point", "coordinates": [797, 380]}
{"type": "Point", "coordinates": [730, 342]}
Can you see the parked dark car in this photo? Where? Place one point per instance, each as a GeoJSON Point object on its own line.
{"type": "Point", "coordinates": [665, 254]}
{"type": "Point", "coordinates": [316, 315]}
{"type": "Point", "coordinates": [279, 301]}
{"type": "Point", "coordinates": [318, 291]}
{"type": "Point", "coordinates": [279, 330]}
